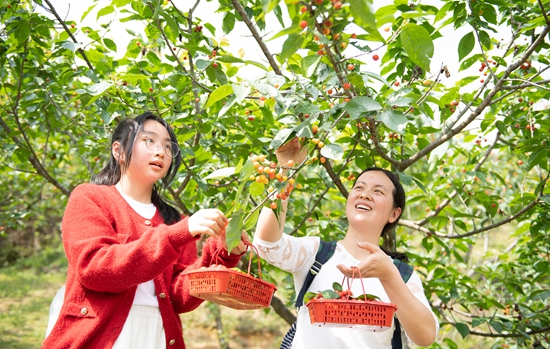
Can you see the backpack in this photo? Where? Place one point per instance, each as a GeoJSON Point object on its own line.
{"type": "Point", "coordinates": [326, 250]}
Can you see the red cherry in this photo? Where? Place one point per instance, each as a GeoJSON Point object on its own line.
{"type": "Point", "coordinates": [375, 57]}
{"type": "Point", "coordinates": [303, 24]}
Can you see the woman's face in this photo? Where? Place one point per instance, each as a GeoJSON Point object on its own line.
{"type": "Point", "coordinates": [150, 161]}
{"type": "Point", "coordinates": [370, 202]}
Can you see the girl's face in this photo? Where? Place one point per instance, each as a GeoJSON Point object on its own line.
{"type": "Point", "coordinates": [150, 160]}
{"type": "Point", "coordinates": [370, 203]}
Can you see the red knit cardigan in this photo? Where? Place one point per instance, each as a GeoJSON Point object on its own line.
{"type": "Point", "coordinates": [111, 249]}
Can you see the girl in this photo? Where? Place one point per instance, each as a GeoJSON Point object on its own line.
{"type": "Point", "coordinates": [375, 204]}
{"type": "Point", "coordinates": [127, 248]}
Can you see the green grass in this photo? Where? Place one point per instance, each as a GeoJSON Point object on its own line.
{"type": "Point", "coordinates": [27, 289]}
{"type": "Point", "coordinates": [26, 296]}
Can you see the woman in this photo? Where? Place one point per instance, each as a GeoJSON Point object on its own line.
{"type": "Point", "coordinates": [374, 205]}
{"type": "Point", "coordinates": [128, 249]}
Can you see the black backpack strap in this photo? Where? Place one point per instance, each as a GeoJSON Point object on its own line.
{"type": "Point", "coordinates": [405, 271]}
{"type": "Point", "coordinates": [326, 250]}
{"type": "Point", "coordinates": [289, 337]}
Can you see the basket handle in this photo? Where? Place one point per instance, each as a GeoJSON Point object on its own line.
{"type": "Point", "coordinates": [249, 244]}
{"type": "Point", "coordinates": [353, 270]}
{"type": "Point", "coordinates": [216, 257]}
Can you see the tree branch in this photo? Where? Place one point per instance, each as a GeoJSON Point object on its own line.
{"type": "Point", "coordinates": [256, 35]}
{"type": "Point", "coordinates": [62, 22]}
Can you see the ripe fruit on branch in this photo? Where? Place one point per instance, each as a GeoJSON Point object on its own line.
{"type": "Point", "coordinates": [346, 86]}
{"type": "Point", "coordinates": [303, 9]}
{"type": "Point", "coordinates": [375, 57]}
{"type": "Point", "coordinates": [351, 67]}
{"type": "Point", "coordinates": [273, 205]}
{"type": "Point", "coordinates": [303, 24]}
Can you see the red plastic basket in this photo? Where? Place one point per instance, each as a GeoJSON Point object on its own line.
{"type": "Point", "coordinates": [364, 314]}
{"type": "Point", "coordinates": [231, 288]}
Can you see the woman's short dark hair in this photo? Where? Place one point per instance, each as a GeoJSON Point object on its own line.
{"type": "Point", "coordinates": [398, 194]}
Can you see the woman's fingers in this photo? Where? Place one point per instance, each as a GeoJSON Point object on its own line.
{"type": "Point", "coordinates": [208, 221]}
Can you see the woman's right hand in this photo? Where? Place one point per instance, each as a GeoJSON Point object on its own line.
{"type": "Point", "coordinates": [291, 151]}
{"type": "Point", "coordinates": [210, 221]}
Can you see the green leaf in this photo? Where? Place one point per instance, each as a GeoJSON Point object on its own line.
{"type": "Point", "coordinates": [87, 11]}
{"type": "Point", "coordinates": [281, 138]}
{"type": "Point", "coordinates": [306, 107]}
{"type": "Point", "coordinates": [332, 151]}
{"type": "Point", "coordinates": [252, 220]}
{"type": "Point", "coordinates": [241, 91]}
{"type": "Point", "coordinates": [418, 44]}
{"type": "Point", "coordinates": [369, 297]}
{"type": "Point", "coordinates": [394, 120]}
{"type": "Point", "coordinates": [105, 11]}
{"type": "Point", "coordinates": [309, 64]}
{"type": "Point", "coordinates": [22, 32]}
{"type": "Point", "coordinates": [336, 286]}
{"type": "Point", "coordinates": [256, 188]}
{"type": "Point", "coordinates": [219, 94]}
{"type": "Point", "coordinates": [228, 22]}
{"type": "Point", "coordinates": [363, 16]}
{"type": "Point", "coordinates": [496, 325]}
{"type": "Point", "coordinates": [291, 45]}
{"type": "Point", "coordinates": [466, 45]}
{"type": "Point", "coordinates": [463, 329]}
{"type": "Point", "coordinates": [111, 45]}
{"type": "Point", "coordinates": [221, 173]}
{"type": "Point", "coordinates": [70, 45]}
{"type": "Point", "coordinates": [99, 88]}
{"type": "Point", "coordinates": [234, 229]}
{"type": "Point", "coordinates": [359, 105]}
{"type": "Point", "coordinates": [309, 296]}
{"type": "Point", "coordinates": [330, 294]}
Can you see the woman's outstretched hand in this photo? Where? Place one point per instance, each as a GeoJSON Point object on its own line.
{"type": "Point", "coordinates": [210, 221]}
{"type": "Point", "coordinates": [291, 151]}
{"type": "Point", "coordinates": [377, 264]}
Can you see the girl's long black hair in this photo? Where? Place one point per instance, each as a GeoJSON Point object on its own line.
{"type": "Point", "coordinates": [398, 201]}
{"type": "Point", "coordinates": [126, 134]}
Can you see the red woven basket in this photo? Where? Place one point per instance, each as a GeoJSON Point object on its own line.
{"type": "Point", "coordinates": [231, 288]}
{"type": "Point", "coordinates": [368, 315]}
{"type": "Point", "coordinates": [364, 314]}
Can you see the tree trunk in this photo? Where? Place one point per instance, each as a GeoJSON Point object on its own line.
{"type": "Point", "coordinates": [282, 310]}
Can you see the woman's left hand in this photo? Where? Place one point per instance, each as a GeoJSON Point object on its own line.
{"type": "Point", "coordinates": [377, 264]}
{"type": "Point", "coordinates": [241, 247]}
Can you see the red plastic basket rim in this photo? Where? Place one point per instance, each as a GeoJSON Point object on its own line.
{"type": "Point", "coordinates": [227, 270]}
{"type": "Point", "coordinates": [352, 301]}
{"type": "Point", "coordinates": [226, 297]}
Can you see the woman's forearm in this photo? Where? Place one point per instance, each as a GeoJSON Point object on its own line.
{"type": "Point", "coordinates": [269, 228]}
